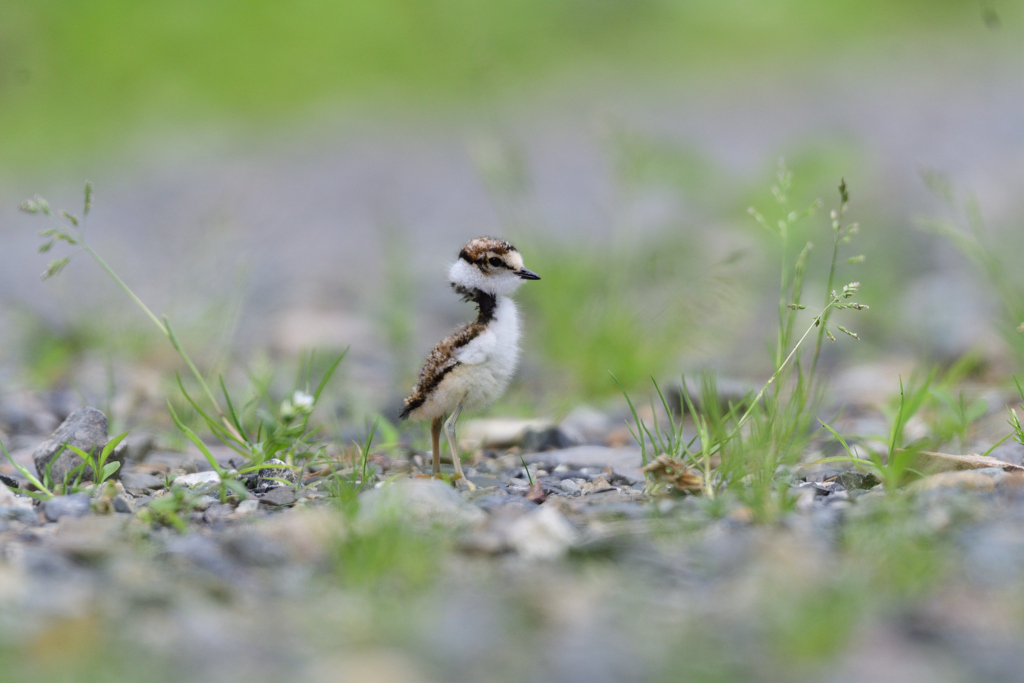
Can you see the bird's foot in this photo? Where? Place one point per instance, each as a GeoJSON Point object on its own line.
{"type": "Point", "coordinates": [464, 484]}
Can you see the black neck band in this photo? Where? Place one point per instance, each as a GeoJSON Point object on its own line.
{"type": "Point", "coordinates": [486, 303]}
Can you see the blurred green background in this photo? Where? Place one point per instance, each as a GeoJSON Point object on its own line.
{"type": "Point", "coordinates": [86, 77]}
{"type": "Point", "coordinates": [285, 176]}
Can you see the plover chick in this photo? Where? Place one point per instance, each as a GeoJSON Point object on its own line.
{"type": "Point", "coordinates": [472, 366]}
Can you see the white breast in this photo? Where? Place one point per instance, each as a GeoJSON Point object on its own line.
{"type": "Point", "coordinates": [490, 360]}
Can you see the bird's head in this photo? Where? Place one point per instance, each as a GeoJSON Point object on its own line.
{"type": "Point", "coordinates": [490, 265]}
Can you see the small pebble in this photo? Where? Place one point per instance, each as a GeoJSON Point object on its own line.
{"type": "Point", "coordinates": [197, 478]}
{"type": "Point", "coordinates": [247, 507]}
{"type": "Point", "coordinates": [75, 505]}
{"type": "Point", "coordinates": [570, 487]}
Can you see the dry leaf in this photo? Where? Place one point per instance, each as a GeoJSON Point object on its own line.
{"type": "Point", "coordinates": [536, 493]}
{"type": "Point", "coordinates": [668, 471]}
{"type": "Point", "coordinates": [948, 461]}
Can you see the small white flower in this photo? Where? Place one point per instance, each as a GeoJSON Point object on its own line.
{"type": "Point", "coordinates": [302, 401]}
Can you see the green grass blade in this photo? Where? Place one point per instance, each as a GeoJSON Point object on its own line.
{"type": "Point", "coordinates": [218, 430]}
{"type": "Point", "coordinates": [108, 471]}
{"type": "Point", "coordinates": [841, 440]}
{"type": "Point", "coordinates": [231, 406]}
{"type": "Point", "coordinates": [327, 375]}
{"type": "Point", "coordinates": [197, 441]}
{"type": "Point", "coordinates": [897, 426]}
{"type": "Point", "coordinates": [997, 444]}
{"type": "Point", "coordinates": [32, 479]}
{"type": "Point", "coordinates": [636, 420]}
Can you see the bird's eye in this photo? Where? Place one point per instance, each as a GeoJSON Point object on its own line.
{"type": "Point", "coordinates": [495, 261]}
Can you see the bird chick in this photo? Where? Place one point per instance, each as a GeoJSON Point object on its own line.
{"type": "Point", "coordinates": [473, 366]}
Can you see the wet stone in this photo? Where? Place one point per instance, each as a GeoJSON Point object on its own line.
{"type": "Point", "coordinates": [272, 477]}
{"type": "Point", "coordinates": [74, 505]}
{"type": "Point", "coordinates": [856, 479]}
{"type": "Point", "coordinates": [570, 487]}
{"type": "Point", "coordinates": [12, 482]}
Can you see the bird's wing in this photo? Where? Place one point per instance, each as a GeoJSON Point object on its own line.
{"type": "Point", "coordinates": [478, 350]}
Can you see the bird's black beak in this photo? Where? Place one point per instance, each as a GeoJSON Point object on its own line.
{"type": "Point", "coordinates": [527, 274]}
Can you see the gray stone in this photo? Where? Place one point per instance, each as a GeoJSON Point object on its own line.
{"type": "Point", "coordinates": [570, 487]}
{"type": "Point", "coordinates": [201, 551]}
{"type": "Point", "coordinates": [543, 534]}
{"type": "Point", "coordinates": [139, 484]}
{"type": "Point", "coordinates": [122, 505]}
{"type": "Point", "coordinates": [215, 513]}
{"type": "Point", "coordinates": [247, 507]}
{"type": "Point", "coordinates": [255, 549]}
{"type": "Point", "coordinates": [202, 503]}
{"type": "Point", "coordinates": [74, 505]}
{"type": "Point", "coordinates": [282, 495]}
{"type": "Point", "coordinates": [20, 514]}
{"type": "Point", "coordinates": [86, 429]}
{"type": "Point", "coordinates": [547, 438]}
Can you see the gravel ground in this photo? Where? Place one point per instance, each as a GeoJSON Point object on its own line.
{"type": "Point", "coordinates": [587, 574]}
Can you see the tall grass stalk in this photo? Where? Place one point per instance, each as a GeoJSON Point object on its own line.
{"type": "Point", "coordinates": [71, 231]}
{"type": "Point", "coordinates": [751, 446]}
{"type": "Point", "coordinates": [287, 430]}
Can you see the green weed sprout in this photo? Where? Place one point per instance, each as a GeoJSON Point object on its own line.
{"type": "Point", "coordinates": [892, 471]}
{"type": "Point", "coordinates": [101, 469]}
{"type": "Point", "coordinates": [169, 509]}
{"type": "Point", "coordinates": [346, 489]}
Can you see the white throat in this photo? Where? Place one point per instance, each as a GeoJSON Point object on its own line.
{"type": "Point", "coordinates": [467, 276]}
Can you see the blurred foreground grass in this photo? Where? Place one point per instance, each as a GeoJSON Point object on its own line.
{"type": "Point", "coordinates": [78, 77]}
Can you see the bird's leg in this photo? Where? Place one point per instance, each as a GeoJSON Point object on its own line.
{"type": "Point", "coordinates": [449, 430]}
{"type": "Point", "coordinates": [435, 438]}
